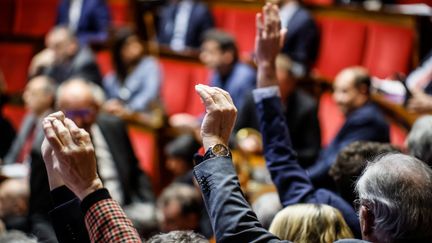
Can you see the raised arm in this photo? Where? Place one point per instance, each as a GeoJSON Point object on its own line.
{"type": "Point", "coordinates": [230, 214]}
{"type": "Point", "coordinates": [71, 153]}
{"type": "Point", "coordinates": [290, 179]}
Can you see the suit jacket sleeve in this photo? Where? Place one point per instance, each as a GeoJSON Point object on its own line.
{"type": "Point", "coordinates": [100, 17]}
{"type": "Point", "coordinates": [106, 221]}
{"type": "Point", "coordinates": [291, 181]}
{"type": "Point", "coordinates": [231, 217]}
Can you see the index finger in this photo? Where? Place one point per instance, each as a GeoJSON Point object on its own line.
{"type": "Point", "coordinates": [58, 115]}
{"type": "Point", "coordinates": [51, 135]}
{"type": "Point", "coordinates": [205, 95]}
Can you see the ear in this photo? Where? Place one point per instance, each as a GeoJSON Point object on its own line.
{"type": "Point", "coordinates": [367, 220]}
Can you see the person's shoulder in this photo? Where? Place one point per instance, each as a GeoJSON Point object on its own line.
{"type": "Point", "coordinates": [369, 113]}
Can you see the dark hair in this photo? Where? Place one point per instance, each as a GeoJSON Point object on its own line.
{"type": "Point", "coordinates": [362, 78]}
{"type": "Point", "coordinates": [178, 237]}
{"type": "Point", "coordinates": [183, 147]}
{"type": "Point", "coordinates": [189, 199]}
{"type": "Point", "coordinates": [226, 41]}
{"type": "Point", "coordinates": [117, 43]}
{"type": "Point", "coordinates": [352, 160]}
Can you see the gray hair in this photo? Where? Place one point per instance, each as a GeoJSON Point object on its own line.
{"type": "Point", "coordinates": [419, 139]}
{"type": "Point", "coordinates": [397, 190]}
{"type": "Point", "coordinates": [17, 237]}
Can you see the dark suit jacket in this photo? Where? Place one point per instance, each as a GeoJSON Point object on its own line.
{"type": "Point", "coordinates": [200, 21]}
{"type": "Point", "coordinates": [302, 39]}
{"type": "Point", "coordinates": [7, 137]}
{"type": "Point", "coordinates": [367, 123]}
{"type": "Point", "coordinates": [82, 65]}
{"type": "Point", "coordinates": [301, 114]}
{"type": "Point", "coordinates": [94, 20]}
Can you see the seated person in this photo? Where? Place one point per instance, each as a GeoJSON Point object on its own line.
{"type": "Point", "coordinates": [178, 236]}
{"type": "Point", "coordinates": [310, 223]}
{"type": "Point", "coordinates": [180, 207]}
{"type": "Point", "coordinates": [6, 128]}
{"type": "Point", "coordinates": [64, 58]}
{"type": "Point", "coordinates": [182, 24]}
{"type": "Point", "coordinates": [180, 153]}
{"type": "Point", "coordinates": [301, 41]}
{"type": "Point", "coordinates": [89, 20]}
{"type": "Point", "coordinates": [219, 53]}
{"type": "Point", "coordinates": [350, 163]}
{"type": "Point", "coordinates": [134, 85]}
{"type": "Point", "coordinates": [14, 194]}
{"type": "Point", "coordinates": [419, 139]}
{"type": "Point", "coordinates": [38, 96]}
{"type": "Point", "coordinates": [301, 113]}
{"type": "Point", "coordinates": [364, 121]}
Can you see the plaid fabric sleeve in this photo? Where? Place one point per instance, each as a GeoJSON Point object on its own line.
{"type": "Point", "coordinates": [106, 221]}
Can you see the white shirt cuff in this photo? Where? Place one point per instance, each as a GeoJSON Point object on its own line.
{"type": "Point", "coordinates": [264, 93]}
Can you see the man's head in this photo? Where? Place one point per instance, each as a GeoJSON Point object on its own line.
{"type": "Point", "coordinates": [79, 100]}
{"type": "Point", "coordinates": [218, 50]}
{"type": "Point", "coordinates": [395, 195]}
{"type": "Point", "coordinates": [39, 94]}
{"type": "Point", "coordinates": [179, 206]}
{"type": "Point", "coordinates": [419, 140]}
{"type": "Point", "coordinates": [63, 43]}
{"type": "Point", "coordinates": [351, 162]}
{"type": "Point", "coordinates": [285, 77]}
{"type": "Point", "coordinates": [351, 89]}
{"type": "Point", "coordinates": [14, 194]}
{"type": "Point", "coordinates": [180, 153]}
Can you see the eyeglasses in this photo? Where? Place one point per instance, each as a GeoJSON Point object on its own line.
{"type": "Point", "coordinates": [78, 113]}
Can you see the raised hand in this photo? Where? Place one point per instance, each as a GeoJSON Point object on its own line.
{"type": "Point", "coordinates": [220, 115]}
{"type": "Point", "coordinates": [267, 44]}
{"type": "Point", "coordinates": [72, 155]}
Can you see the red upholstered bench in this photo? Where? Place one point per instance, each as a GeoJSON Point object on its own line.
{"type": "Point", "coordinates": [34, 18]}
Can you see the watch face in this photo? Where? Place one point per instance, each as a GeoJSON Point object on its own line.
{"type": "Point", "coordinates": [220, 150]}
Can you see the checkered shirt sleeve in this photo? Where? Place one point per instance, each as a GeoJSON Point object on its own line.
{"type": "Point", "coordinates": [106, 222]}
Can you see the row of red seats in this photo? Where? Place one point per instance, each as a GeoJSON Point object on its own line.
{"type": "Point", "coordinates": [35, 18]}
{"type": "Point", "coordinates": [382, 48]}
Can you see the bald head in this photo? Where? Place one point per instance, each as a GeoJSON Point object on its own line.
{"type": "Point", "coordinates": [395, 192]}
{"type": "Point", "coordinates": [39, 94]}
{"type": "Point", "coordinates": [77, 99]}
{"type": "Point", "coordinates": [62, 42]}
{"type": "Point", "coordinates": [351, 88]}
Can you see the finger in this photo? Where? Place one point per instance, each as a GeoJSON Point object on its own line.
{"type": "Point", "coordinates": [259, 24]}
{"type": "Point", "coordinates": [51, 135]}
{"type": "Point", "coordinates": [57, 115]}
{"type": "Point", "coordinates": [227, 95]}
{"type": "Point", "coordinates": [205, 95]}
{"type": "Point", "coordinates": [63, 133]}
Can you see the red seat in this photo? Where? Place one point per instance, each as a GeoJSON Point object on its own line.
{"type": "Point", "coordinates": [175, 86]}
{"type": "Point", "coordinates": [7, 9]}
{"type": "Point", "coordinates": [34, 18]}
{"type": "Point", "coordinates": [388, 49]}
{"type": "Point", "coordinates": [15, 114]}
{"type": "Point", "coordinates": [342, 45]}
{"type": "Point", "coordinates": [428, 2]}
{"type": "Point", "coordinates": [319, 2]}
{"type": "Point", "coordinates": [330, 117]}
{"type": "Point", "coordinates": [240, 23]}
{"type": "Point", "coordinates": [397, 135]}
{"type": "Point", "coordinates": [14, 62]}
{"type": "Point", "coordinates": [103, 59]}
{"type": "Point", "coordinates": [144, 145]}
{"type": "Point", "coordinates": [119, 12]}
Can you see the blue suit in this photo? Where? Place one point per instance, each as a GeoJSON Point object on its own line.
{"type": "Point", "coordinates": [238, 84]}
{"type": "Point", "coordinates": [367, 123]}
{"type": "Point", "coordinates": [93, 23]}
{"type": "Point", "coordinates": [230, 214]}
{"type": "Point", "coordinates": [199, 22]}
